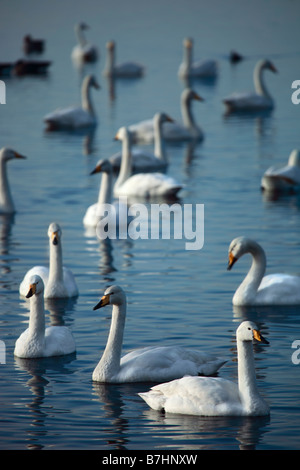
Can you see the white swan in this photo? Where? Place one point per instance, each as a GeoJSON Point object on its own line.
{"type": "Point", "coordinates": [126, 69]}
{"type": "Point", "coordinates": [214, 396]}
{"type": "Point", "coordinates": [36, 340]}
{"type": "Point", "coordinates": [75, 117]}
{"type": "Point", "coordinates": [142, 160]}
{"type": "Point", "coordinates": [58, 280]}
{"type": "Point", "coordinates": [287, 178]}
{"type": "Point", "coordinates": [83, 51]}
{"type": "Point", "coordinates": [6, 202]}
{"type": "Point", "coordinates": [200, 69]}
{"type": "Point", "coordinates": [146, 364]}
{"type": "Point", "coordinates": [172, 131]}
{"type": "Point", "coordinates": [142, 185]}
{"type": "Point", "coordinates": [274, 289]}
{"type": "Point", "coordinates": [253, 101]}
{"type": "Point", "coordinates": [95, 213]}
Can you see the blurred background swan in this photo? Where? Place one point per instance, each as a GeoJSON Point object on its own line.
{"type": "Point", "coordinates": [75, 117]}
{"type": "Point", "coordinates": [257, 289]}
{"type": "Point", "coordinates": [253, 101]}
{"type": "Point", "coordinates": [146, 364]}
{"type": "Point", "coordinates": [58, 280]}
{"type": "Point", "coordinates": [83, 51]}
{"type": "Point", "coordinates": [6, 201]}
{"type": "Point", "coordinates": [199, 69]}
{"type": "Point", "coordinates": [143, 131]}
{"type": "Point", "coordinates": [285, 179]}
{"type": "Point", "coordinates": [127, 69]}
{"type": "Point", "coordinates": [37, 341]}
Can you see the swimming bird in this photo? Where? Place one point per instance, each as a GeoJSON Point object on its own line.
{"type": "Point", "coordinates": [146, 364]}
{"type": "Point", "coordinates": [143, 185]}
{"type": "Point", "coordinates": [253, 101]}
{"type": "Point", "coordinates": [257, 289]}
{"type": "Point", "coordinates": [215, 396]}
{"type": "Point", "coordinates": [285, 179]}
{"type": "Point", "coordinates": [31, 45]}
{"type": "Point", "coordinates": [83, 51]}
{"type": "Point", "coordinates": [195, 69]}
{"type": "Point", "coordinates": [6, 202]}
{"type": "Point", "coordinates": [127, 69]}
{"type": "Point", "coordinates": [75, 117]}
{"type": "Point", "coordinates": [59, 281]}
{"type": "Point", "coordinates": [37, 340]}
{"type": "Point", "coordinates": [143, 161]}
{"type": "Point", "coordinates": [175, 131]}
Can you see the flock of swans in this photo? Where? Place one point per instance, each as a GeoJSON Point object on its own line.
{"type": "Point", "coordinates": [184, 375]}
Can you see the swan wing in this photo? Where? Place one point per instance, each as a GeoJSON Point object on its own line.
{"type": "Point", "coordinates": [140, 160]}
{"type": "Point", "coordinates": [204, 68]}
{"type": "Point", "coordinates": [279, 289]}
{"type": "Point", "coordinates": [71, 117]}
{"type": "Point", "coordinates": [129, 69]}
{"type": "Point", "coordinates": [203, 396]}
{"type": "Point", "coordinates": [58, 341]}
{"type": "Point", "coordinates": [142, 131]}
{"type": "Point", "coordinates": [247, 101]}
{"type": "Point", "coordinates": [287, 177]}
{"type": "Point", "coordinates": [149, 184]}
{"type": "Point", "coordinates": [69, 282]}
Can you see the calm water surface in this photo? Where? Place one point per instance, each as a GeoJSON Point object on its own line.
{"type": "Point", "coordinates": [175, 296]}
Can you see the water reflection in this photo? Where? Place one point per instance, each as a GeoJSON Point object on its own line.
{"type": "Point", "coordinates": [6, 223]}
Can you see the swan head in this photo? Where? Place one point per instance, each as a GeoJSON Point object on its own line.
{"type": "Point", "coordinates": [188, 43]}
{"type": "Point", "coordinates": [113, 295]}
{"type": "Point", "coordinates": [268, 65]}
{"type": "Point", "coordinates": [103, 166]}
{"type": "Point", "coordinates": [81, 26]}
{"type": "Point", "coordinates": [294, 158]}
{"type": "Point", "coordinates": [188, 94]}
{"type": "Point", "coordinates": [36, 286]}
{"type": "Point", "coordinates": [162, 117]}
{"type": "Point", "coordinates": [54, 233]}
{"type": "Point", "coordinates": [123, 133]}
{"type": "Point", "coordinates": [110, 45]}
{"type": "Point", "coordinates": [9, 154]}
{"type": "Point", "coordinates": [247, 331]}
{"type": "Point", "coordinates": [238, 247]}
{"type": "Point", "coordinates": [90, 80]}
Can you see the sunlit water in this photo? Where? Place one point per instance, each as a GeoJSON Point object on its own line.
{"type": "Point", "coordinates": [175, 296]}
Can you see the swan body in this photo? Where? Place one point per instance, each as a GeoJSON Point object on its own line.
{"type": "Point", "coordinates": [196, 69]}
{"type": "Point", "coordinates": [125, 70]}
{"type": "Point", "coordinates": [75, 117]}
{"type": "Point", "coordinates": [253, 101]}
{"type": "Point", "coordinates": [285, 179]}
{"type": "Point", "coordinates": [83, 51]}
{"type": "Point", "coordinates": [145, 364]}
{"type": "Point", "coordinates": [94, 213]}
{"type": "Point", "coordinates": [172, 131]}
{"type": "Point", "coordinates": [38, 341]}
{"type": "Point", "coordinates": [146, 161]}
{"type": "Point", "coordinates": [6, 202]}
{"type": "Point", "coordinates": [144, 185]}
{"type": "Point", "coordinates": [214, 396]}
{"type": "Point", "coordinates": [257, 289]}
{"type": "Point", "coordinates": [58, 280]}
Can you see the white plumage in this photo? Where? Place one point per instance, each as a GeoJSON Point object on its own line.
{"type": "Point", "coordinates": [6, 201]}
{"type": "Point", "coordinates": [285, 179]}
{"type": "Point", "coordinates": [127, 69]}
{"type": "Point", "coordinates": [195, 69]}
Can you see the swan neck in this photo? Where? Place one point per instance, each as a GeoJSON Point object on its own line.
{"type": "Point", "coordinates": [246, 373]}
{"type": "Point", "coordinates": [159, 143]}
{"type": "Point", "coordinates": [86, 97]}
{"type": "Point", "coordinates": [186, 112]}
{"type": "Point", "coordinates": [125, 169]}
{"type": "Point", "coordinates": [80, 36]}
{"type": "Point", "coordinates": [248, 289]}
{"type": "Point", "coordinates": [187, 57]}
{"type": "Point", "coordinates": [105, 190]}
{"type": "Point", "coordinates": [6, 202]}
{"type": "Point", "coordinates": [111, 357]}
{"type": "Point", "coordinates": [56, 263]}
{"type": "Point", "coordinates": [259, 82]}
{"type": "Point", "coordinates": [37, 316]}
{"type": "Point", "coordinates": [110, 61]}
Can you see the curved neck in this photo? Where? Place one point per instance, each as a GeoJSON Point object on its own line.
{"type": "Point", "coordinates": [259, 83]}
{"type": "Point", "coordinates": [105, 190]}
{"type": "Point", "coordinates": [37, 317]}
{"type": "Point", "coordinates": [86, 97]}
{"type": "Point", "coordinates": [6, 202]}
{"type": "Point", "coordinates": [80, 36]}
{"type": "Point", "coordinates": [159, 143]}
{"type": "Point", "coordinates": [55, 263]}
{"type": "Point", "coordinates": [111, 357]}
{"type": "Point", "coordinates": [246, 374]}
{"type": "Point", "coordinates": [187, 116]}
{"type": "Point", "coordinates": [248, 288]}
{"type": "Point", "coordinates": [125, 170]}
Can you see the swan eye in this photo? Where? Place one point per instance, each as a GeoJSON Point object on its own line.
{"type": "Point", "coordinates": [249, 328]}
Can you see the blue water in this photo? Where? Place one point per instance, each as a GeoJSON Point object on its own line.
{"type": "Point", "coordinates": [175, 296]}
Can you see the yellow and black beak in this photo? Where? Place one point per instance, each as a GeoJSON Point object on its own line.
{"type": "Point", "coordinates": [32, 291]}
{"type": "Point", "coordinates": [104, 301]}
{"type": "Point", "coordinates": [259, 337]}
{"type": "Point", "coordinates": [55, 238]}
{"type": "Point", "coordinates": [198, 97]}
{"type": "Point", "coordinates": [98, 169]}
{"type": "Point", "coordinates": [18, 155]}
{"type": "Point", "coordinates": [231, 260]}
